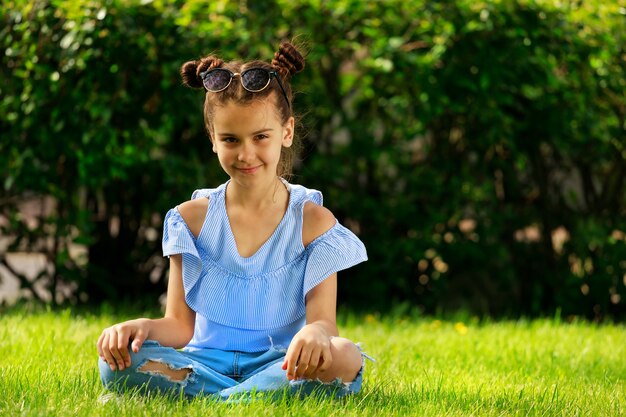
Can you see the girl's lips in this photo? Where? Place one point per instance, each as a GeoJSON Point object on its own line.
{"type": "Point", "coordinates": [248, 170]}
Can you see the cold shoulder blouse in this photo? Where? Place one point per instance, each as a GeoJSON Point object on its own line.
{"type": "Point", "coordinates": [246, 304]}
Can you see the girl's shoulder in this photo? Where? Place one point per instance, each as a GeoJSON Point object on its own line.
{"type": "Point", "coordinates": [316, 220]}
{"type": "Point", "coordinates": [194, 213]}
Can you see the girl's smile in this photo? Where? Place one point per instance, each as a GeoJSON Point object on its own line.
{"type": "Point", "coordinates": [249, 170]}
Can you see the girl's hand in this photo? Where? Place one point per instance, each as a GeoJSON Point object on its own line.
{"type": "Point", "coordinates": [113, 342]}
{"type": "Point", "coordinates": [308, 353]}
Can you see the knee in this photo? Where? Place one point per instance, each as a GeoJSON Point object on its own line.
{"type": "Point", "coordinates": [107, 376]}
{"type": "Point", "coordinates": [348, 356]}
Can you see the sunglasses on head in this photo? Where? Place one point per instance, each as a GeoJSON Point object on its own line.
{"type": "Point", "coordinates": [252, 79]}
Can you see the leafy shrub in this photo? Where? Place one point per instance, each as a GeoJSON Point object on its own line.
{"type": "Point", "coordinates": [476, 147]}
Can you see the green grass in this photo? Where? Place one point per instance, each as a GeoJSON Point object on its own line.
{"type": "Point", "coordinates": [424, 367]}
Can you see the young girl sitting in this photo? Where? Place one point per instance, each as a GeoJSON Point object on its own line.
{"type": "Point", "coordinates": [252, 285]}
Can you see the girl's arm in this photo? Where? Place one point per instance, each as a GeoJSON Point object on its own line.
{"type": "Point", "coordinates": [175, 329]}
{"type": "Point", "coordinates": [321, 306]}
{"type": "Point", "coordinates": [321, 301]}
{"type": "Point", "coordinates": [310, 349]}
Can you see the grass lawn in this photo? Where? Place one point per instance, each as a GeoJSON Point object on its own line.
{"type": "Point", "coordinates": [424, 367]}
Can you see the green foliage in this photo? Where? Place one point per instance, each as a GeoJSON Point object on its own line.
{"type": "Point", "coordinates": [476, 147]}
{"type": "Point", "coordinates": [94, 116]}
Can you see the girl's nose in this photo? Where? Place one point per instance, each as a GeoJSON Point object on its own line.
{"type": "Point", "coordinates": [246, 152]}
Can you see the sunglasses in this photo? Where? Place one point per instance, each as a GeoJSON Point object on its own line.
{"type": "Point", "coordinates": [252, 79]}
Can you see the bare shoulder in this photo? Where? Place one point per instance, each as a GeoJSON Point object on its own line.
{"type": "Point", "coordinates": [316, 221]}
{"type": "Point", "coordinates": [193, 213]}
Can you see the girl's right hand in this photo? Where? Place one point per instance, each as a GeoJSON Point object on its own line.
{"type": "Point", "coordinates": [113, 342]}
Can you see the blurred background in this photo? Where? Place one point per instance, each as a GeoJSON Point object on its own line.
{"type": "Point", "coordinates": [476, 147]}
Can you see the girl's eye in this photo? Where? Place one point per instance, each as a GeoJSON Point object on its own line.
{"type": "Point", "coordinates": [260, 137]}
{"type": "Point", "coordinates": [229, 140]}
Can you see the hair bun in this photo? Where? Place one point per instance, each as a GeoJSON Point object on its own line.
{"type": "Point", "coordinates": [288, 60]}
{"type": "Point", "coordinates": [191, 70]}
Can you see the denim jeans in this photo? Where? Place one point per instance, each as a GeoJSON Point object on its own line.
{"type": "Point", "coordinates": [222, 374]}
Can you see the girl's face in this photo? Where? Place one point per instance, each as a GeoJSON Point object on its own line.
{"type": "Point", "coordinates": [248, 140]}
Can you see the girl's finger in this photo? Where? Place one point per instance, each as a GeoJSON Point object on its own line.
{"type": "Point", "coordinates": [108, 358]}
{"type": "Point", "coordinates": [327, 360]}
{"type": "Point", "coordinates": [114, 351]}
{"type": "Point", "coordinates": [138, 340]}
{"type": "Point", "coordinates": [99, 345]}
{"type": "Point", "coordinates": [303, 362]}
{"type": "Point", "coordinates": [122, 347]}
{"type": "Point", "coordinates": [313, 363]}
{"type": "Point", "coordinates": [291, 359]}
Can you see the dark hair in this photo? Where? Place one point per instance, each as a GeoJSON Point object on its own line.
{"type": "Point", "coordinates": [287, 61]}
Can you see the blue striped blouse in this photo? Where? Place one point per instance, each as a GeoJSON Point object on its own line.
{"type": "Point", "coordinates": [246, 304]}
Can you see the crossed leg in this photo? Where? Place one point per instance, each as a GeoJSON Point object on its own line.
{"type": "Point", "coordinates": [346, 364]}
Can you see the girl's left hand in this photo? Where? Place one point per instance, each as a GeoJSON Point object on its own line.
{"type": "Point", "coordinates": [308, 353]}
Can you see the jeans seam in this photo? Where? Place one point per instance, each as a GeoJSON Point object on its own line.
{"type": "Point", "coordinates": [236, 364]}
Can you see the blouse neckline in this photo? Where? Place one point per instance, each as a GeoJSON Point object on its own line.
{"type": "Point", "coordinates": [232, 243]}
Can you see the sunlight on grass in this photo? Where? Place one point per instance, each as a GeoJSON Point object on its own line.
{"type": "Point", "coordinates": [423, 366]}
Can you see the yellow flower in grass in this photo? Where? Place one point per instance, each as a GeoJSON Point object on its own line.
{"type": "Point", "coordinates": [460, 328]}
{"type": "Point", "coordinates": [435, 324]}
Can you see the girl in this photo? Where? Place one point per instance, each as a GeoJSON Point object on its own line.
{"type": "Point", "coordinates": [253, 263]}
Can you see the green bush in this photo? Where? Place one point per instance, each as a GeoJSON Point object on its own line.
{"type": "Point", "coordinates": [476, 147]}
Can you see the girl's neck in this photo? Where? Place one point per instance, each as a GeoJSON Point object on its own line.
{"type": "Point", "coordinates": [257, 198]}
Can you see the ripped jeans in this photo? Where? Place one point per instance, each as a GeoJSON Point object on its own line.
{"type": "Point", "coordinates": [218, 373]}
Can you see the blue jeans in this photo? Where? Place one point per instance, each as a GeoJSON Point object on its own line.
{"type": "Point", "coordinates": [218, 373]}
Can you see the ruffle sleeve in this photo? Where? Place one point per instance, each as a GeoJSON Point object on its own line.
{"type": "Point", "coordinates": [333, 251]}
{"type": "Point", "coordinates": [177, 239]}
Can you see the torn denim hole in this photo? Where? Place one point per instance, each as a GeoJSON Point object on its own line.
{"type": "Point", "coordinates": [190, 377]}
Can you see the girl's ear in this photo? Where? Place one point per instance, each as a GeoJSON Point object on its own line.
{"type": "Point", "coordinates": [288, 130]}
{"type": "Point", "coordinates": [213, 143]}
